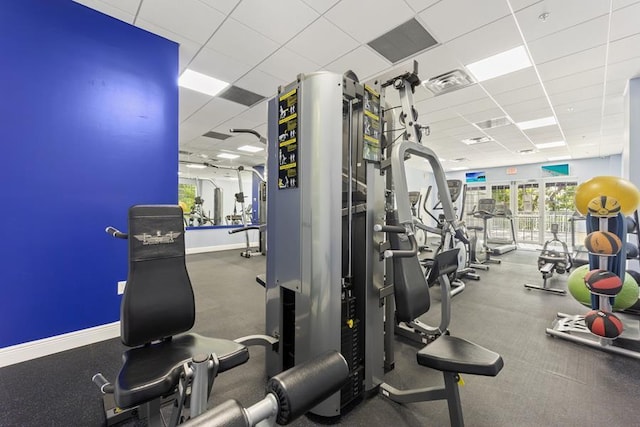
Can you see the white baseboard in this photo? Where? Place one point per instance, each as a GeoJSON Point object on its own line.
{"type": "Point", "coordinates": [204, 249]}
{"type": "Point", "coordinates": [46, 346]}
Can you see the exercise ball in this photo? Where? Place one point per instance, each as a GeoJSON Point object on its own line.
{"type": "Point", "coordinates": [611, 186]}
{"type": "Point", "coordinates": [627, 297]}
{"type": "Point", "coordinates": [603, 282]}
{"type": "Point", "coordinates": [603, 324]}
{"type": "Point", "coordinates": [183, 206]}
{"type": "Point", "coordinates": [603, 243]}
{"type": "Point", "coordinates": [603, 207]}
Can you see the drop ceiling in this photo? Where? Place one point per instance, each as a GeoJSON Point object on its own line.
{"type": "Point", "coordinates": [583, 51]}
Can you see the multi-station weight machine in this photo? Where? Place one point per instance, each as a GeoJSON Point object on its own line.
{"type": "Point", "coordinates": [336, 180]}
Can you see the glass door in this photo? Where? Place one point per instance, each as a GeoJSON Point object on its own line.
{"type": "Point", "coordinates": [528, 217]}
{"type": "Point", "coordinates": [499, 227]}
{"type": "Point", "coordinates": [559, 207]}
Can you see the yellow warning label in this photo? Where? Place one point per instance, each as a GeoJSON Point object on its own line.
{"type": "Point", "coordinates": [286, 119]}
{"type": "Point", "coordinates": [289, 166]}
{"type": "Point", "coordinates": [370, 114]}
{"type": "Point", "coordinates": [288, 94]}
{"type": "Point", "coordinates": [370, 89]}
{"type": "Point", "coordinates": [288, 142]}
{"type": "Point", "coordinates": [371, 139]}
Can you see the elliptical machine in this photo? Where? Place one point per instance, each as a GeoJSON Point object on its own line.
{"type": "Point", "coordinates": [552, 260]}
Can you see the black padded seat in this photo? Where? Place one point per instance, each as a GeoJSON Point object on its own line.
{"type": "Point", "coordinates": [154, 370]}
{"type": "Point", "coordinates": [458, 355]}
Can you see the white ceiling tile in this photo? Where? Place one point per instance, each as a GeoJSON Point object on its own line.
{"type": "Point", "coordinates": [192, 19]}
{"type": "Point", "coordinates": [592, 58]}
{"type": "Point", "coordinates": [572, 96]}
{"type": "Point", "coordinates": [322, 42]}
{"type": "Point", "coordinates": [479, 116]}
{"type": "Point", "coordinates": [624, 22]}
{"type": "Point", "coordinates": [575, 81]}
{"type": "Point", "coordinates": [442, 125]}
{"type": "Point", "coordinates": [366, 23]}
{"type": "Point", "coordinates": [481, 104]}
{"type": "Point", "coordinates": [256, 114]}
{"type": "Point", "coordinates": [215, 112]}
{"type": "Point", "coordinates": [535, 105]}
{"type": "Point", "coordinates": [497, 37]}
{"type": "Point", "coordinates": [461, 96]}
{"type": "Point", "coordinates": [508, 82]}
{"type": "Point", "coordinates": [279, 20]}
{"type": "Point", "coordinates": [624, 49]}
{"type": "Point", "coordinates": [521, 4]}
{"type": "Point", "coordinates": [188, 48]}
{"type": "Point", "coordinates": [224, 6]}
{"type": "Point", "coordinates": [447, 20]}
{"type": "Point", "coordinates": [624, 70]}
{"type": "Point", "coordinates": [574, 39]}
{"type": "Point", "coordinates": [260, 82]}
{"type": "Point", "coordinates": [190, 101]}
{"type": "Point", "coordinates": [190, 130]}
{"type": "Point", "coordinates": [435, 116]}
{"type": "Point", "coordinates": [519, 95]}
{"type": "Point", "coordinates": [129, 6]}
{"type": "Point", "coordinates": [321, 6]}
{"type": "Point", "coordinates": [544, 134]}
{"type": "Point", "coordinates": [420, 5]}
{"type": "Point", "coordinates": [363, 61]}
{"type": "Point", "coordinates": [110, 9]}
{"type": "Point", "coordinates": [280, 65]}
{"type": "Point", "coordinates": [217, 65]}
{"type": "Point", "coordinates": [562, 14]}
{"type": "Point", "coordinates": [241, 43]}
{"type": "Point", "coordinates": [187, 51]}
{"type": "Point", "coordinates": [617, 4]}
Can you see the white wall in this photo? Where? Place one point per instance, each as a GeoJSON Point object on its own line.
{"type": "Point", "coordinates": [210, 239]}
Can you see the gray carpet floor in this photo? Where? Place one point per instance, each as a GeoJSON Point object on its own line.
{"type": "Point", "coordinates": [545, 382]}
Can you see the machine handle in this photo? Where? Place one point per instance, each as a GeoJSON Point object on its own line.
{"type": "Point", "coordinates": [404, 253]}
{"type": "Point", "coordinates": [461, 237]}
{"type": "Point", "coordinates": [261, 227]}
{"type": "Point", "coordinates": [116, 233]}
{"type": "Point", "coordinates": [389, 228]}
{"type": "Point", "coordinates": [105, 386]}
{"type": "Point", "coordinates": [300, 388]}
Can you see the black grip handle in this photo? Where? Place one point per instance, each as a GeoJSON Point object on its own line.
{"type": "Point", "coordinates": [103, 384]}
{"type": "Point", "coordinates": [301, 388]}
{"type": "Point", "coordinates": [389, 228]}
{"type": "Point", "coordinates": [404, 253]}
{"type": "Point", "coordinates": [460, 236]}
{"type": "Point", "coordinates": [247, 228]}
{"type": "Point", "coordinates": [116, 233]}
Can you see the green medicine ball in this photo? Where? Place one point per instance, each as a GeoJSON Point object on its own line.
{"type": "Point", "coordinates": [627, 297]}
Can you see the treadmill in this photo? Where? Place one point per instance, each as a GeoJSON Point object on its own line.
{"type": "Point", "coordinates": [498, 210]}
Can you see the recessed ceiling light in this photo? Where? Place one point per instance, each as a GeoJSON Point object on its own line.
{"type": "Point", "coordinates": [537, 123]}
{"type": "Point", "coordinates": [550, 145]}
{"type": "Point", "coordinates": [554, 159]}
{"type": "Point", "coordinates": [201, 82]}
{"type": "Point", "coordinates": [460, 168]}
{"type": "Point", "coordinates": [477, 140]}
{"type": "Point", "coordinates": [498, 65]}
{"type": "Point", "coordinates": [527, 151]}
{"type": "Point", "coordinates": [228, 156]}
{"type": "Point", "coordinates": [250, 148]}
{"type": "Point", "coordinates": [196, 166]}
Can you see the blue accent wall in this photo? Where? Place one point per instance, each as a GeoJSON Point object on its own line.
{"type": "Point", "coordinates": [89, 126]}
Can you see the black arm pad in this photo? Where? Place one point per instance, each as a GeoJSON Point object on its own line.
{"type": "Point", "coordinates": [227, 414]}
{"type": "Point", "coordinates": [301, 388]}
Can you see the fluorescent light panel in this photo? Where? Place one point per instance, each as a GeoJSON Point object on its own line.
{"type": "Point", "coordinates": [201, 82]}
{"type": "Point", "coordinates": [477, 140]}
{"type": "Point", "coordinates": [500, 64]}
{"type": "Point", "coordinates": [550, 145]}
{"type": "Point", "coordinates": [537, 123]}
{"type": "Point", "coordinates": [196, 166]}
{"type": "Point", "coordinates": [250, 148]}
{"type": "Point", "coordinates": [228, 156]}
{"type": "Point", "coordinates": [460, 168]}
{"type": "Point", "coordinates": [554, 159]}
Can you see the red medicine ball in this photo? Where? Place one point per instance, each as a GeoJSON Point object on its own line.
{"type": "Point", "coordinates": [603, 324]}
{"type": "Point", "coordinates": [603, 282]}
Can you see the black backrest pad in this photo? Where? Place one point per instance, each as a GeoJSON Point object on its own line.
{"type": "Point", "coordinates": [445, 263]}
{"type": "Point", "coordinates": [158, 300]}
{"type": "Point", "coordinates": [410, 288]}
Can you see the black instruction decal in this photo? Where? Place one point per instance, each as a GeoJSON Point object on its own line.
{"type": "Point", "coordinates": [288, 140]}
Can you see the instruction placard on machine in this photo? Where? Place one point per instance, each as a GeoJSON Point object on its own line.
{"type": "Point", "coordinates": [288, 140]}
{"type": "Point", "coordinates": [372, 129]}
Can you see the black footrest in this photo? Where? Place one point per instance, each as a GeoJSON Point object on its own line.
{"type": "Point", "coordinates": [453, 354]}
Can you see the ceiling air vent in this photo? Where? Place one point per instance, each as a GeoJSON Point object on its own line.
{"type": "Point", "coordinates": [493, 123]}
{"type": "Point", "coordinates": [527, 151]}
{"type": "Point", "coordinates": [403, 41]}
{"type": "Point", "coordinates": [477, 140]}
{"type": "Point", "coordinates": [448, 82]}
{"type": "Point", "coordinates": [241, 96]}
{"type": "Point", "coordinates": [216, 135]}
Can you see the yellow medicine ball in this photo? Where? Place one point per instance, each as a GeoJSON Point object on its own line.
{"type": "Point", "coordinates": [620, 189]}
